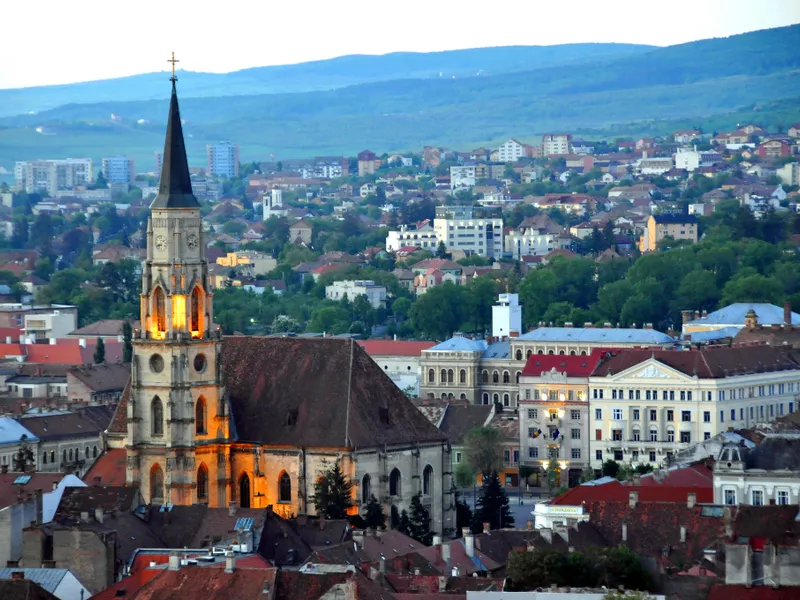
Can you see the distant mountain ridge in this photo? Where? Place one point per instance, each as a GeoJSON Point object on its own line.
{"type": "Point", "coordinates": [698, 80]}
{"type": "Point", "coordinates": [313, 76]}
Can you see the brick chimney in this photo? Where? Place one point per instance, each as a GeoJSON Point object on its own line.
{"type": "Point", "coordinates": [633, 499]}
{"type": "Point", "coordinates": [787, 314]}
{"type": "Point", "coordinates": [18, 575]}
{"type": "Point", "coordinates": [691, 500]}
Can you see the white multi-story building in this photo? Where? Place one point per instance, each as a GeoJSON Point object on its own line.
{"type": "Point", "coordinates": [472, 230]}
{"type": "Point", "coordinates": [273, 204]}
{"type": "Point", "coordinates": [692, 159]}
{"type": "Point", "coordinates": [462, 177]}
{"type": "Point", "coordinates": [655, 166]}
{"type": "Point", "coordinates": [536, 236]}
{"type": "Point", "coordinates": [511, 151]}
{"type": "Point", "coordinates": [118, 169]}
{"type": "Point", "coordinates": [52, 175]}
{"type": "Point", "coordinates": [555, 143]}
{"type": "Point", "coordinates": [646, 405]}
{"type": "Point", "coordinates": [223, 159]}
{"type": "Point", "coordinates": [789, 174]}
{"type": "Point", "coordinates": [376, 294]}
{"type": "Point", "coordinates": [764, 475]}
{"type": "Point", "coordinates": [506, 316]}
{"type": "Point", "coordinates": [422, 237]}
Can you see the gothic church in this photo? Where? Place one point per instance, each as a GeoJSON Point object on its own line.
{"type": "Point", "coordinates": [253, 421]}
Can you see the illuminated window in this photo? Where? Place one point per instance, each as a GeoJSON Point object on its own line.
{"type": "Point", "coordinates": [160, 310]}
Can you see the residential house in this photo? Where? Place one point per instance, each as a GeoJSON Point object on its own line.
{"type": "Point", "coordinates": [774, 148]}
{"type": "Point", "coordinates": [300, 232]}
{"type": "Point", "coordinates": [57, 583]}
{"type": "Point", "coordinates": [760, 476]}
{"type": "Point", "coordinates": [422, 235]}
{"type": "Point", "coordinates": [536, 236]}
{"type": "Point", "coordinates": [663, 226]}
{"type": "Point", "coordinates": [686, 136]}
{"type": "Point", "coordinates": [366, 163]}
{"type": "Point", "coordinates": [462, 177]}
{"type": "Point", "coordinates": [375, 294]}
{"type": "Point", "coordinates": [511, 151]}
{"type": "Point", "coordinates": [97, 384]}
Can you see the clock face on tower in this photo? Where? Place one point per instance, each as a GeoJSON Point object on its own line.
{"type": "Point", "coordinates": [191, 241]}
{"type": "Point", "coordinates": [161, 242]}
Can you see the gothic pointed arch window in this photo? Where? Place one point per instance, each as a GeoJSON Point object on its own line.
{"type": "Point", "coordinates": [366, 488]}
{"type": "Point", "coordinates": [200, 422]}
{"type": "Point", "coordinates": [202, 482]}
{"type": "Point", "coordinates": [395, 483]}
{"type": "Point", "coordinates": [427, 480]}
{"type": "Point", "coordinates": [196, 321]}
{"type": "Point", "coordinates": [284, 488]}
{"type": "Point", "coordinates": [244, 491]}
{"type": "Point", "coordinates": [156, 484]}
{"type": "Point", "coordinates": [157, 416]}
{"type": "Point", "coordinates": [159, 310]}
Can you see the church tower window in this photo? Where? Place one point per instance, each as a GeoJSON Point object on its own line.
{"type": "Point", "coordinates": [196, 322]}
{"type": "Point", "coordinates": [200, 416]}
{"type": "Point", "coordinates": [156, 484]}
{"type": "Point", "coordinates": [285, 488]}
{"type": "Point", "coordinates": [159, 312]}
{"type": "Point", "coordinates": [202, 482]}
{"type": "Point", "coordinates": [157, 416]}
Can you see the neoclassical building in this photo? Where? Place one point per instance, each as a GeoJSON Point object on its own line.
{"type": "Point", "coordinates": [256, 420]}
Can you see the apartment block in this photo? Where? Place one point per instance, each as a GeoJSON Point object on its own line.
{"type": "Point", "coordinates": [52, 175]}
{"type": "Point", "coordinates": [473, 230]}
{"type": "Point", "coordinates": [555, 143]}
{"type": "Point", "coordinates": [223, 159]}
{"type": "Point", "coordinates": [118, 169]}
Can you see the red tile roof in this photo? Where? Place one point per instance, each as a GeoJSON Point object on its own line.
{"type": "Point", "coordinates": [11, 350]}
{"type": "Point", "coordinates": [574, 366]}
{"type": "Point", "coordinates": [9, 493]}
{"type": "Point", "coordinates": [699, 475]}
{"type": "Point", "coordinates": [758, 592]}
{"type": "Point", "coordinates": [129, 586]}
{"type": "Point", "coordinates": [109, 467]}
{"type": "Point", "coordinates": [394, 348]}
{"type": "Point", "coordinates": [617, 492]}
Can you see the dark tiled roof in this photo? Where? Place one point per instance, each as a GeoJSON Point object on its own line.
{"type": "Point", "coordinates": [322, 392]}
{"type": "Point", "coordinates": [669, 218]}
{"type": "Point", "coordinates": [110, 467]}
{"type": "Point", "coordinates": [708, 363]}
{"type": "Point", "coordinates": [104, 327]}
{"type": "Point", "coordinates": [617, 492]}
{"type": "Point", "coordinates": [198, 526]}
{"type": "Point", "coordinates": [773, 336]}
{"type": "Point", "coordinates": [775, 523]}
{"type": "Point", "coordinates": [23, 589]}
{"type": "Point", "coordinates": [41, 481]}
{"type": "Point", "coordinates": [292, 541]}
{"type": "Point", "coordinates": [119, 420]}
{"type": "Point", "coordinates": [76, 500]}
{"type": "Point", "coordinates": [209, 583]}
{"type": "Point", "coordinates": [774, 453]}
{"type": "Point", "coordinates": [84, 422]}
{"type": "Point", "coordinates": [459, 420]}
{"type": "Point", "coordinates": [102, 378]}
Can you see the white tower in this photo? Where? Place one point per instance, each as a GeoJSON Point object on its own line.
{"type": "Point", "coordinates": [506, 316]}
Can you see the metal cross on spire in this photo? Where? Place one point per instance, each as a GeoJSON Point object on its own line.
{"type": "Point", "coordinates": [173, 60]}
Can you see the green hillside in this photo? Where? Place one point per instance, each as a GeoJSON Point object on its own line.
{"type": "Point", "coordinates": [701, 81]}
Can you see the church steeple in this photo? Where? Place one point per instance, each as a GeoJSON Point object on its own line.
{"type": "Point", "coordinates": [175, 189]}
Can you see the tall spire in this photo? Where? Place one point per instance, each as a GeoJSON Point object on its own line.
{"type": "Point", "coordinates": [175, 189]}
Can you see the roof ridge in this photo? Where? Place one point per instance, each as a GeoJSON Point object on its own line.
{"type": "Point", "coordinates": [349, 394]}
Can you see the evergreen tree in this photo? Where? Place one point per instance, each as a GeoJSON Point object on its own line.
{"type": "Point", "coordinates": [23, 459]}
{"type": "Point", "coordinates": [420, 522]}
{"type": "Point", "coordinates": [403, 523]}
{"type": "Point", "coordinates": [100, 352]}
{"type": "Point", "coordinates": [333, 493]}
{"type": "Point", "coordinates": [463, 515]}
{"type": "Point", "coordinates": [492, 506]}
{"type": "Point", "coordinates": [127, 336]}
{"type": "Point", "coordinates": [374, 516]}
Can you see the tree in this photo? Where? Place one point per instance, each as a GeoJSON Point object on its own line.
{"type": "Point", "coordinates": [419, 521]}
{"type": "Point", "coordinates": [100, 352]}
{"type": "Point", "coordinates": [484, 450]}
{"type": "Point", "coordinates": [403, 523]}
{"type": "Point", "coordinates": [587, 474]}
{"type": "Point", "coordinates": [333, 493]}
{"type": "Point", "coordinates": [464, 475]}
{"type": "Point", "coordinates": [492, 506]}
{"type": "Point", "coordinates": [127, 337]}
{"type": "Point", "coordinates": [441, 251]}
{"type": "Point", "coordinates": [610, 468]}
{"type": "Point", "coordinates": [19, 233]}
{"type": "Point", "coordinates": [23, 460]}
{"type": "Point", "coordinates": [525, 471]}
{"type": "Point", "coordinates": [374, 516]}
{"type": "Point", "coordinates": [440, 311]}
{"type": "Point", "coordinates": [752, 288]}
{"type": "Point", "coordinates": [463, 515]}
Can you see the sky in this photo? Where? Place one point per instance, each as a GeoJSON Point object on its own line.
{"type": "Point", "coordinates": [84, 40]}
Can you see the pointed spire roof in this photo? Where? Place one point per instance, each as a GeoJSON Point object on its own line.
{"type": "Point", "coordinates": [175, 189]}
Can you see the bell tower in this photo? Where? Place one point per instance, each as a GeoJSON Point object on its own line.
{"type": "Point", "coordinates": [178, 420]}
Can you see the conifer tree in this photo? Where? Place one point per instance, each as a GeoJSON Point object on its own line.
{"type": "Point", "coordinates": [374, 517]}
{"type": "Point", "coordinates": [23, 459]}
{"type": "Point", "coordinates": [492, 506]}
{"type": "Point", "coordinates": [100, 352]}
{"type": "Point", "coordinates": [419, 521]}
{"type": "Point", "coordinates": [403, 523]}
{"type": "Point", "coordinates": [333, 493]}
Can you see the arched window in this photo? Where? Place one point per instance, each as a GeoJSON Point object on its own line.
{"type": "Point", "coordinates": [485, 398]}
{"type": "Point", "coordinates": [160, 309]}
{"type": "Point", "coordinates": [485, 376]}
{"type": "Point", "coordinates": [200, 416]}
{"type": "Point", "coordinates": [462, 376]}
{"type": "Point", "coordinates": [157, 416]}
{"type": "Point", "coordinates": [463, 397]}
{"type": "Point", "coordinates": [540, 352]}
{"type": "Point", "coordinates": [197, 310]}
{"type": "Point", "coordinates": [444, 395]}
{"type": "Point", "coordinates": [506, 377]}
{"type": "Point", "coordinates": [496, 398]}
{"type": "Point", "coordinates": [156, 484]}
{"type": "Point", "coordinates": [366, 488]}
{"type": "Point", "coordinates": [52, 456]}
{"type": "Point", "coordinates": [427, 480]}
{"type": "Point", "coordinates": [506, 400]}
{"type": "Point", "coordinates": [44, 458]}
{"type": "Point", "coordinates": [561, 353]}
{"type": "Point", "coordinates": [495, 377]}
{"type": "Point", "coordinates": [528, 353]}
{"type": "Point", "coordinates": [64, 456]}
{"type": "Point", "coordinates": [244, 491]}
{"type": "Point", "coordinates": [516, 376]}
{"type": "Point", "coordinates": [88, 451]}
{"type": "Point", "coordinates": [285, 488]}
{"type": "Point", "coordinates": [431, 376]}
{"type": "Point", "coordinates": [70, 455]}
{"type": "Point", "coordinates": [202, 482]}
{"type": "Point", "coordinates": [551, 352]}
{"type": "Point", "coordinates": [395, 483]}
{"type": "Point", "coordinates": [94, 452]}
{"type": "Point", "coordinates": [443, 376]}
{"type": "Point", "coordinates": [572, 352]}
{"type": "Point", "coordinates": [583, 352]}
{"type": "Point", "coordinates": [449, 375]}
{"type": "Point", "coordinates": [519, 354]}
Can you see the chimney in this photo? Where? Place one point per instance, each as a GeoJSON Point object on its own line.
{"type": "Point", "coordinates": [437, 540]}
{"type": "Point", "coordinates": [787, 314]}
{"type": "Point", "coordinates": [8, 339]}
{"type": "Point", "coordinates": [18, 575]}
{"type": "Point", "coordinates": [358, 537]}
{"type": "Point", "coordinates": [686, 316]}
{"type": "Point", "coordinates": [232, 508]}
{"type": "Point", "coordinates": [529, 525]}
{"type": "Point", "coordinates": [442, 583]}
{"type": "Point", "coordinates": [588, 325]}
{"type": "Point", "coordinates": [727, 519]}
{"type": "Point", "coordinates": [82, 343]}
{"type": "Point", "coordinates": [487, 527]}
{"type": "Point", "coordinates": [697, 314]}
{"type": "Point", "coordinates": [230, 562]}
{"type": "Point", "coordinates": [691, 500]}
{"type": "Point", "coordinates": [39, 502]}
{"type": "Point", "coordinates": [633, 498]}
{"type": "Point", "coordinates": [174, 561]}
{"type": "Point", "coordinates": [383, 565]}
{"type": "Point", "coordinates": [705, 314]}
{"type": "Point", "coordinates": [683, 533]}
{"type": "Point", "coordinates": [513, 334]}
{"type": "Point", "coordinates": [469, 541]}
{"type": "Point", "coordinates": [98, 515]}
{"type": "Point", "coordinates": [52, 341]}
{"type": "Point", "coordinates": [446, 554]}
{"type": "Point", "coordinates": [624, 532]}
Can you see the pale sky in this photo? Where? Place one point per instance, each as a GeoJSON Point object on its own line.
{"type": "Point", "coordinates": [52, 41]}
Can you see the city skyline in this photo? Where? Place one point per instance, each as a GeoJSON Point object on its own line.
{"type": "Point", "coordinates": [225, 49]}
